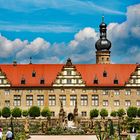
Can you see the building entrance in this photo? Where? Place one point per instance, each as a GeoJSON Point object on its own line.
{"type": "Point", "coordinates": [70, 117]}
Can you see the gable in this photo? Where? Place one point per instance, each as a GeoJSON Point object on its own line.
{"type": "Point", "coordinates": [134, 79]}
{"type": "Point", "coordinates": [68, 76]}
{"type": "Point", "coordinates": [4, 82]}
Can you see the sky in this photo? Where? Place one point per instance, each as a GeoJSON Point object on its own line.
{"type": "Point", "coordinates": [50, 31]}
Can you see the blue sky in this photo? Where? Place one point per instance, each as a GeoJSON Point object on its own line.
{"type": "Point", "coordinates": [50, 31]}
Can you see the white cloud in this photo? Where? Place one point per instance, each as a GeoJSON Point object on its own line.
{"type": "Point", "coordinates": [54, 28]}
{"type": "Point", "coordinates": [125, 39]}
{"type": "Point", "coordinates": [73, 6]}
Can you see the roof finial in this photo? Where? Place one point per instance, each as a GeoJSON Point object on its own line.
{"type": "Point", "coordinates": [30, 60]}
{"type": "Point", "coordinates": [102, 18]}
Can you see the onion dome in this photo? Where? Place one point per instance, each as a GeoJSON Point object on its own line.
{"type": "Point", "coordinates": [103, 43]}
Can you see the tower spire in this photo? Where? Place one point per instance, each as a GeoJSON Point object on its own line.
{"type": "Point", "coordinates": [102, 18]}
{"type": "Point", "coordinates": [103, 45]}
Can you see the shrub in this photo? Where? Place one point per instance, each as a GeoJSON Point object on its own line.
{"type": "Point", "coordinates": [0, 113]}
{"type": "Point", "coordinates": [6, 112]}
{"type": "Point", "coordinates": [138, 137]}
{"type": "Point", "coordinates": [16, 112]}
{"type": "Point", "coordinates": [46, 113]}
{"type": "Point", "coordinates": [121, 112]}
{"type": "Point", "coordinates": [94, 113]}
{"type": "Point", "coordinates": [132, 112]}
{"type": "Point", "coordinates": [103, 113]}
{"type": "Point", "coordinates": [34, 111]}
{"type": "Point", "coordinates": [113, 113]}
{"type": "Point", "coordinates": [25, 113]}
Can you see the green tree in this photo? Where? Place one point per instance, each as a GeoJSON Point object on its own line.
{"type": "Point", "coordinates": [34, 111]}
{"type": "Point", "coordinates": [103, 113]}
{"type": "Point", "coordinates": [94, 113]}
{"type": "Point", "coordinates": [138, 112]}
{"type": "Point", "coordinates": [113, 113]}
{"type": "Point", "coordinates": [25, 113]}
{"type": "Point", "coordinates": [16, 112]}
{"type": "Point", "coordinates": [121, 112]}
{"type": "Point", "coordinates": [46, 112]}
{"type": "Point", "coordinates": [132, 112]}
{"type": "Point", "coordinates": [6, 112]}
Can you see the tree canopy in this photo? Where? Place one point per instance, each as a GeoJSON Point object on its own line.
{"type": "Point", "coordinates": [121, 112]}
{"type": "Point", "coordinates": [6, 112]}
{"type": "Point", "coordinates": [16, 112]}
{"type": "Point", "coordinates": [103, 113]}
{"type": "Point", "coordinates": [34, 111]}
{"type": "Point", "coordinates": [94, 113]}
{"type": "Point", "coordinates": [46, 112]}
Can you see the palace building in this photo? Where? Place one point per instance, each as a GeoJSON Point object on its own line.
{"type": "Point", "coordinates": [81, 86]}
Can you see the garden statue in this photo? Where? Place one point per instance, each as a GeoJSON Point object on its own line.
{"type": "Point", "coordinates": [61, 114]}
{"type": "Point", "coordinates": [75, 113]}
{"type": "Point", "coordinates": [26, 128]}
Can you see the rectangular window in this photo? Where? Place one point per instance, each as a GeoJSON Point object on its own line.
{"type": "Point", "coordinates": [7, 92]}
{"type": "Point", "coordinates": [63, 99]}
{"type": "Point", "coordinates": [40, 100]}
{"type": "Point", "coordinates": [53, 114]}
{"type": "Point", "coordinates": [127, 92]}
{"type": "Point", "coordinates": [84, 100]}
{"type": "Point", "coordinates": [68, 72]}
{"type": "Point", "coordinates": [95, 100]}
{"type": "Point", "coordinates": [29, 100]}
{"type": "Point", "coordinates": [7, 103]}
{"type": "Point", "coordinates": [105, 103]}
{"type": "Point", "coordinates": [105, 92]}
{"type": "Point", "coordinates": [68, 81]}
{"type": "Point", "coordinates": [127, 103]}
{"type": "Point", "coordinates": [138, 92]}
{"type": "Point", "coordinates": [116, 92]}
{"type": "Point", "coordinates": [116, 102]}
{"type": "Point", "coordinates": [138, 102]}
{"type": "Point", "coordinates": [52, 100]}
{"type": "Point", "coordinates": [83, 113]}
{"type": "Point", "coordinates": [17, 100]}
{"type": "Point", "coordinates": [73, 99]}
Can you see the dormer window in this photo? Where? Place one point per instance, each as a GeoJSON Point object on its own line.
{"type": "Point", "coordinates": [23, 81]}
{"type": "Point", "coordinates": [104, 74]}
{"type": "Point", "coordinates": [42, 81]}
{"type": "Point", "coordinates": [116, 81]}
{"type": "Point", "coordinates": [95, 81]}
{"type": "Point", "coordinates": [33, 74]}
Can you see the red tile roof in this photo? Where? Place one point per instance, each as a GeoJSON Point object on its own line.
{"type": "Point", "coordinates": [49, 72]}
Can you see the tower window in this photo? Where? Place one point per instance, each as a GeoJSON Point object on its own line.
{"type": "Point", "coordinates": [104, 74]}
{"type": "Point", "coordinates": [42, 81]}
{"type": "Point", "coordinates": [33, 74]}
{"type": "Point", "coordinates": [116, 81]}
{"type": "Point", "coordinates": [22, 81]}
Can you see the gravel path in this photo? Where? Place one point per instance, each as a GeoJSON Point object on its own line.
{"type": "Point", "coordinates": [91, 137]}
